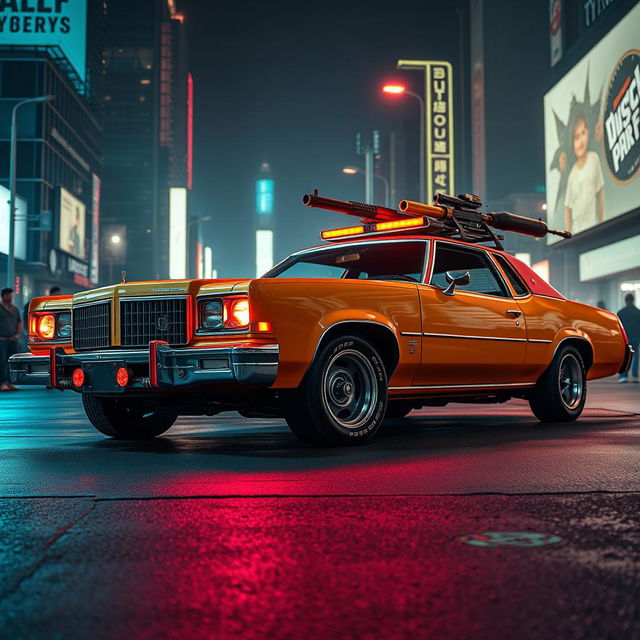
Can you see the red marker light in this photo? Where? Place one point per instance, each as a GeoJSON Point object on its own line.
{"type": "Point", "coordinates": [122, 377]}
{"type": "Point", "coordinates": [264, 327]}
{"type": "Point", "coordinates": [339, 233]}
{"type": "Point", "coordinates": [394, 89]}
{"type": "Point", "coordinates": [400, 224]}
{"type": "Point", "coordinates": [77, 377]}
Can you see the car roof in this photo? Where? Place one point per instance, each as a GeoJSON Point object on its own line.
{"type": "Point", "coordinates": [371, 238]}
{"type": "Point", "coordinates": [535, 283]}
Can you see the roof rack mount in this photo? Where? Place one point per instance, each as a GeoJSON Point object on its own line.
{"type": "Point", "coordinates": [449, 216]}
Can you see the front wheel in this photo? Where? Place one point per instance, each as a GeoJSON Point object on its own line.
{"type": "Point", "coordinates": [561, 391]}
{"type": "Point", "coordinates": [126, 418]}
{"type": "Point", "coordinates": [343, 396]}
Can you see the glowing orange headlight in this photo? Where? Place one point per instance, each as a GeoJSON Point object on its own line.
{"type": "Point", "coordinates": [236, 313]}
{"type": "Point", "coordinates": [46, 326]}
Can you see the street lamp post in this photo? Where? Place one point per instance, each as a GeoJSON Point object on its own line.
{"type": "Point", "coordinates": [350, 171]}
{"type": "Point", "coordinates": [11, 264]}
{"type": "Point", "coordinates": [398, 90]}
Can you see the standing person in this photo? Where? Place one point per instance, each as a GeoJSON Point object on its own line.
{"type": "Point", "coordinates": [630, 317]}
{"type": "Point", "coordinates": [584, 200]}
{"type": "Point", "coordinates": [10, 328]}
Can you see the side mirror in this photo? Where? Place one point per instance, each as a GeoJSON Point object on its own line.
{"type": "Point", "coordinates": [455, 280]}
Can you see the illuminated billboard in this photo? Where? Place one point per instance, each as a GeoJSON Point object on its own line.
{"type": "Point", "coordinates": [264, 196]}
{"type": "Point", "coordinates": [71, 228]}
{"type": "Point", "coordinates": [438, 124]}
{"type": "Point", "coordinates": [264, 251]}
{"type": "Point", "coordinates": [177, 232]}
{"type": "Point", "coordinates": [95, 228]}
{"type": "Point", "coordinates": [47, 23]}
{"type": "Point", "coordinates": [20, 228]}
{"type": "Point", "coordinates": [592, 134]}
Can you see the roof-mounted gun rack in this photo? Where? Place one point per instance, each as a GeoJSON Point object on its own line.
{"type": "Point", "coordinates": [448, 217]}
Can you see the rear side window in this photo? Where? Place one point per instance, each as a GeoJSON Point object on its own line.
{"type": "Point", "coordinates": [484, 277]}
{"type": "Point", "coordinates": [515, 280]}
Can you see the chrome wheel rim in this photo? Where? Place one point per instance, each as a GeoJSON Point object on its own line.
{"type": "Point", "coordinates": [570, 381]}
{"type": "Point", "coordinates": [350, 389]}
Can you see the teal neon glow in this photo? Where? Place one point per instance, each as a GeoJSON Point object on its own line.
{"type": "Point", "coordinates": [264, 196]}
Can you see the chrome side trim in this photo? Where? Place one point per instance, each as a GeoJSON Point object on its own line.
{"type": "Point", "coordinates": [540, 341]}
{"type": "Point", "coordinates": [216, 294]}
{"type": "Point", "coordinates": [541, 295]}
{"type": "Point", "coordinates": [91, 303]}
{"type": "Point", "coordinates": [453, 335]}
{"type": "Point", "coordinates": [410, 333]}
{"type": "Point", "coordinates": [466, 386]}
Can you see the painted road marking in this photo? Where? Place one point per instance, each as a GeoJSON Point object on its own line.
{"type": "Point", "coordinates": [497, 539]}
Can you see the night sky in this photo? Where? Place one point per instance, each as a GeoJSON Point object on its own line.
{"type": "Point", "coordinates": [291, 83]}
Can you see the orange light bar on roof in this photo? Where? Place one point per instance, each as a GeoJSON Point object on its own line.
{"type": "Point", "coordinates": [339, 233]}
{"type": "Point", "coordinates": [400, 224]}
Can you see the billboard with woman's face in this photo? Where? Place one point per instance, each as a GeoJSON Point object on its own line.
{"type": "Point", "coordinates": [592, 134]}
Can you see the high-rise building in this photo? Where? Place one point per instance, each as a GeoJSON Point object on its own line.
{"type": "Point", "coordinates": [507, 76]}
{"type": "Point", "coordinates": [265, 198]}
{"type": "Point", "coordinates": [51, 49]}
{"type": "Point", "coordinates": [148, 140]}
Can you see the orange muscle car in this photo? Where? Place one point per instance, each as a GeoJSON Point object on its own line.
{"type": "Point", "coordinates": [389, 316]}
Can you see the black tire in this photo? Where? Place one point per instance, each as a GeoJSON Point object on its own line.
{"type": "Point", "coordinates": [343, 396]}
{"type": "Point", "coordinates": [398, 409]}
{"type": "Point", "coordinates": [126, 418]}
{"type": "Point", "coordinates": [561, 391]}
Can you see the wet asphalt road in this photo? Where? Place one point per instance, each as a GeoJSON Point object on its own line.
{"type": "Point", "coordinates": [230, 528]}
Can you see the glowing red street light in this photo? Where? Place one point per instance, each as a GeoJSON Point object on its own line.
{"type": "Point", "coordinates": [394, 89]}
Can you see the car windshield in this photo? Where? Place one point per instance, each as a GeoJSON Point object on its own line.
{"type": "Point", "coordinates": [403, 261]}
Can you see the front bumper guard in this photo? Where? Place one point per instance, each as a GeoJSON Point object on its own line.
{"type": "Point", "coordinates": [158, 367]}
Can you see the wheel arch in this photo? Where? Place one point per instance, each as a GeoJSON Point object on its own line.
{"type": "Point", "coordinates": [582, 344]}
{"type": "Point", "coordinates": [381, 336]}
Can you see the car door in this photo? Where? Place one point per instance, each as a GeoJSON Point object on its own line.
{"type": "Point", "coordinates": [476, 336]}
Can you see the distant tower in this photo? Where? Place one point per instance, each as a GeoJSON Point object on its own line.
{"type": "Point", "coordinates": [264, 219]}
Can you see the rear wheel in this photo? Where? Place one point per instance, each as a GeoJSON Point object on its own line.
{"type": "Point", "coordinates": [126, 418]}
{"type": "Point", "coordinates": [561, 391]}
{"type": "Point", "coordinates": [343, 396]}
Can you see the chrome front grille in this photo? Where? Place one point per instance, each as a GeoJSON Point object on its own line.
{"type": "Point", "coordinates": [146, 319]}
{"type": "Point", "coordinates": [92, 326]}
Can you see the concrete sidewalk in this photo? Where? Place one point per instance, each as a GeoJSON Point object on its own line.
{"type": "Point", "coordinates": [608, 393]}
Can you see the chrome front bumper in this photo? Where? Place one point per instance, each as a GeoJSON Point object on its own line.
{"type": "Point", "coordinates": [159, 367]}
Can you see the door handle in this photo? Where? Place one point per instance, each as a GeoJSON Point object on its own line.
{"type": "Point", "coordinates": [514, 312]}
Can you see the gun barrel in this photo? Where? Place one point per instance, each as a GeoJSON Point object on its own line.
{"type": "Point", "coordinates": [420, 209]}
{"type": "Point", "coordinates": [359, 209]}
{"type": "Point", "coordinates": [519, 224]}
